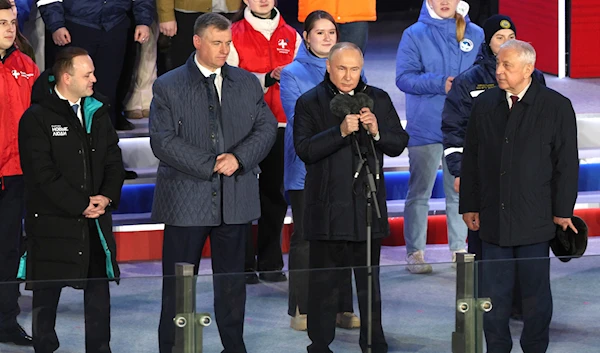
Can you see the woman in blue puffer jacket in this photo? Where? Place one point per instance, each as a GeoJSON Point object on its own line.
{"type": "Point", "coordinates": [442, 44]}
{"type": "Point", "coordinates": [304, 73]}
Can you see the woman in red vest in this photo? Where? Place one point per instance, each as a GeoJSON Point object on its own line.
{"type": "Point", "coordinates": [264, 44]}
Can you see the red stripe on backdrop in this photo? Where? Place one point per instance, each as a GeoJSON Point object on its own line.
{"type": "Point", "coordinates": [537, 23]}
{"type": "Point", "coordinates": [585, 39]}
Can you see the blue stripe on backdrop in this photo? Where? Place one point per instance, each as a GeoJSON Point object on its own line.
{"type": "Point", "coordinates": [137, 198]}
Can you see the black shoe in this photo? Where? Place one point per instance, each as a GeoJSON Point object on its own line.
{"type": "Point", "coordinates": [251, 278]}
{"type": "Point", "coordinates": [130, 174]}
{"type": "Point", "coordinates": [273, 276]}
{"type": "Point", "coordinates": [123, 124]}
{"type": "Point", "coordinates": [16, 335]}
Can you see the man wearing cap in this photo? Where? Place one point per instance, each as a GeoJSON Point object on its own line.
{"type": "Point", "coordinates": [518, 179]}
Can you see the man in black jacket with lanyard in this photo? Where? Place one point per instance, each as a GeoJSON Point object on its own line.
{"type": "Point", "coordinates": [73, 177]}
{"type": "Point", "coordinates": [336, 204]}
{"type": "Point", "coordinates": [518, 182]}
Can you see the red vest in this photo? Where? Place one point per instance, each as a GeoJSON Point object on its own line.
{"type": "Point", "coordinates": [259, 55]}
{"type": "Point", "coordinates": [17, 75]}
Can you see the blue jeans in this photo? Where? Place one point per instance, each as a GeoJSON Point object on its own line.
{"type": "Point", "coordinates": [424, 161]}
{"type": "Point", "coordinates": [355, 32]}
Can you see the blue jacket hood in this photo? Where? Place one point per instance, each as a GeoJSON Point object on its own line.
{"type": "Point", "coordinates": [305, 57]}
{"type": "Point", "coordinates": [426, 18]}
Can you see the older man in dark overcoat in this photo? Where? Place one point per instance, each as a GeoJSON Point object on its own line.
{"type": "Point", "coordinates": [209, 127]}
{"type": "Point", "coordinates": [335, 220]}
{"type": "Point", "coordinates": [518, 182]}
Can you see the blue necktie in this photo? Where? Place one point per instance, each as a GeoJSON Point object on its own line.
{"type": "Point", "coordinates": [75, 108]}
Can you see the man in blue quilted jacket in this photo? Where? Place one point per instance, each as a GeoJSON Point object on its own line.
{"type": "Point", "coordinates": [209, 127]}
{"type": "Point", "coordinates": [101, 28]}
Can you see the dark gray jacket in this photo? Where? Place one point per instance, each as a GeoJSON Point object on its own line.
{"type": "Point", "coordinates": [183, 135]}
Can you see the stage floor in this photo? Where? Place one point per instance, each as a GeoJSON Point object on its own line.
{"type": "Point", "coordinates": [418, 310]}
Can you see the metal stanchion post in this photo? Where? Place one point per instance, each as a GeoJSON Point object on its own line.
{"type": "Point", "coordinates": [188, 324]}
{"type": "Point", "coordinates": [468, 336]}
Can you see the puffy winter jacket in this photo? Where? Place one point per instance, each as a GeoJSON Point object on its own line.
{"type": "Point", "coordinates": [427, 55]}
{"type": "Point", "coordinates": [17, 75]}
{"type": "Point", "coordinates": [343, 11]}
{"type": "Point", "coordinates": [303, 74]}
{"type": "Point", "coordinates": [260, 46]}
{"type": "Point", "coordinates": [64, 163]}
{"type": "Point", "coordinates": [96, 14]}
{"type": "Point", "coordinates": [457, 107]}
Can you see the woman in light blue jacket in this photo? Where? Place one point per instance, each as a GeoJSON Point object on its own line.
{"type": "Point", "coordinates": [304, 73]}
{"type": "Point", "coordinates": [441, 45]}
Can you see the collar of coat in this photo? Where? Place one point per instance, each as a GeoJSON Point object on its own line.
{"type": "Point", "coordinates": [528, 98]}
{"type": "Point", "coordinates": [360, 87]}
{"type": "Point", "coordinates": [195, 73]}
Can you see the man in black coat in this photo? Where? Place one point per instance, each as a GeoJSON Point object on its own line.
{"type": "Point", "coordinates": [518, 181]}
{"type": "Point", "coordinates": [73, 176]}
{"type": "Point", "coordinates": [335, 217]}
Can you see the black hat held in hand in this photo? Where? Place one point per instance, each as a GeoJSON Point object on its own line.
{"type": "Point", "coordinates": [567, 244]}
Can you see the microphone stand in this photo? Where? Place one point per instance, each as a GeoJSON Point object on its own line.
{"type": "Point", "coordinates": [371, 194]}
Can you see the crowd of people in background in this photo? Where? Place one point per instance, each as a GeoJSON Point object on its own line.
{"type": "Point", "coordinates": [240, 110]}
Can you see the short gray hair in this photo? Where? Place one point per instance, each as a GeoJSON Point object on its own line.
{"type": "Point", "coordinates": [344, 45]}
{"type": "Point", "coordinates": [211, 19]}
{"type": "Point", "coordinates": [524, 50]}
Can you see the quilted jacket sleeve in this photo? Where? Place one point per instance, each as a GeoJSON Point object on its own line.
{"type": "Point", "coordinates": [143, 11]}
{"type": "Point", "coordinates": [168, 147]}
{"type": "Point", "coordinates": [256, 145]}
{"type": "Point", "coordinates": [53, 14]}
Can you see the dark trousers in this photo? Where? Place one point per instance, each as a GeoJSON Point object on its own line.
{"type": "Point", "coordinates": [227, 242]}
{"type": "Point", "coordinates": [532, 270]}
{"type": "Point", "coordinates": [298, 265]}
{"type": "Point", "coordinates": [273, 207]}
{"type": "Point", "coordinates": [355, 32]}
{"type": "Point", "coordinates": [127, 77]}
{"type": "Point", "coordinates": [96, 298]}
{"type": "Point", "coordinates": [475, 248]}
{"type": "Point", "coordinates": [12, 202]}
{"type": "Point", "coordinates": [324, 291]}
{"type": "Point", "coordinates": [107, 50]}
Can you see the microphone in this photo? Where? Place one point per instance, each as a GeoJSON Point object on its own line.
{"type": "Point", "coordinates": [342, 105]}
{"type": "Point", "coordinates": [363, 101]}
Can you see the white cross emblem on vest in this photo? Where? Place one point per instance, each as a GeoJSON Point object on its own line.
{"type": "Point", "coordinates": [15, 73]}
